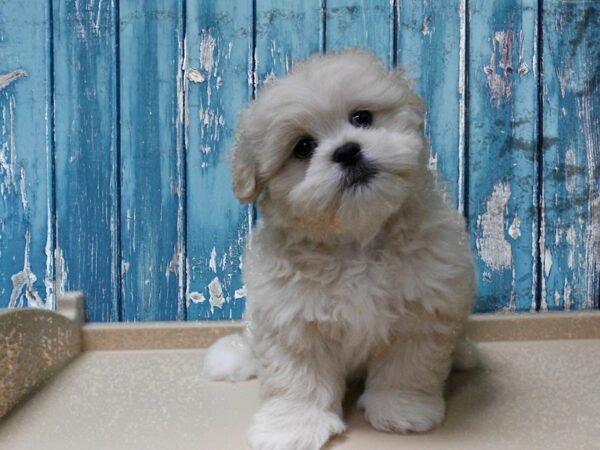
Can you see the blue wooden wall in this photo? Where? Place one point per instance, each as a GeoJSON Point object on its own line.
{"type": "Point", "coordinates": [116, 119]}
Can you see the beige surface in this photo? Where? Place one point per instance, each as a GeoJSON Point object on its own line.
{"type": "Point", "coordinates": [527, 395]}
{"type": "Point", "coordinates": [481, 327]}
{"type": "Point", "coordinates": [34, 345]}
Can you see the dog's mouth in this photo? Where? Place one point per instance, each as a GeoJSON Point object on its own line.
{"type": "Point", "coordinates": [358, 175]}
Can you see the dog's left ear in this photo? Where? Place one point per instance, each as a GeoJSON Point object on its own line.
{"type": "Point", "coordinates": [244, 170]}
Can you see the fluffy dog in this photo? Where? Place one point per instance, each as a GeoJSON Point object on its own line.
{"type": "Point", "coordinates": [357, 264]}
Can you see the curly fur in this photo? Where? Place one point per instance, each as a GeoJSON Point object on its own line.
{"type": "Point", "coordinates": [374, 279]}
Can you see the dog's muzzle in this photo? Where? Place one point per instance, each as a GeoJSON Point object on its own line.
{"type": "Point", "coordinates": [357, 171]}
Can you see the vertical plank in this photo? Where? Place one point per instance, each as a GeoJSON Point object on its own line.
{"type": "Point", "coordinates": [502, 164]}
{"type": "Point", "coordinates": [428, 33]}
{"type": "Point", "coordinates": [571, 174]}
{"type": "Point", "coordinates": [86, 153]}
{"type": "Point", "coordinates": [26, 155]}
{"type": "Point", "coordinates": [151, 54]}
{"type": "Point", "coordinates": [286, 31]}
{"type": "Point", "coordinates": [367, 24]}
{"type": "Point", "coordinates": [219, 83]}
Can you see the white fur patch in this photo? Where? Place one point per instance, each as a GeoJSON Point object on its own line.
{"type": "Point", "coordinates": [230, 358]}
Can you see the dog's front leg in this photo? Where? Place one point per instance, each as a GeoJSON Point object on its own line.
{"type": "Point", "coordinates": [404, 388]}
{"type": "Point", "coordinates": [301, 394]}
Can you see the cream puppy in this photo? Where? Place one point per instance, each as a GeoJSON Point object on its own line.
{"type": "Point", "coordinates": [357, 265]}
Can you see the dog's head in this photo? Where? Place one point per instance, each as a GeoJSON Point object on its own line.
{"type": "Point", "coordinates": [334, 148]}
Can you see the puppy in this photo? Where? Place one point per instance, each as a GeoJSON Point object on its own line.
{"type": "Point", "coordinates": [357, 264]}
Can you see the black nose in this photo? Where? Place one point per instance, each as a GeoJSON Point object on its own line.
{"type": "Point", "coordinates": [347, 154]}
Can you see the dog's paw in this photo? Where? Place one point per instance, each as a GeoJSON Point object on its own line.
{"type": "Point", "coordinates": [282, 425]}
{"type": "Point", "coordinates": [230, 358]}
{"type": "Point", "coordinates": [402, 411]}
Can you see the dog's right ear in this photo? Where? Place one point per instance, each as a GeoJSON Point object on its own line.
{"type": "Point", "coordinates": [244, 170]}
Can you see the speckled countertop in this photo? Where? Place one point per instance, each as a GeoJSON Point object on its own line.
{"type": "Point", "coordinates": [526, 395]}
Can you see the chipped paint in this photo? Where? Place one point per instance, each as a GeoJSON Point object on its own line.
{"type": "Point", "coordinates": [500, 84]}
{"type": "Point", "coordinates": [216, 293]}
{"type": "Point", "coordinates": [515, 228]}
{"type": "Point", "coordinates": [23, 291]}
{"type": "Point", "coordinates": [194, 76]}
{"type": "Point", "coordinates": [571, 239]}
{"type": "Point", "coordinates": [174, 263]}
{"type": "Point", "coordinates": [213, 260]}
{"type": "Point", "coordinates": [492, 246]}
{"type": "Point", "coordinates": [568, 301]}
{"type": "Point", "coordinates": [61, 271]}
{"type": "Point", "coordinates": [207, 50]}
{"type": "Point", "coordinates": [195, 297]}
{"type": "Point", "coordinates": [240, 293]}
{"type": "Point", "coordinates": [570, 171]}
{"type": "Point", "coordinates": [8, 162]}
{"type": "Point", "coordinates": [547, 262]}
{"type": "Point", "coordinates": [23, 191]}
{"type": "Point", "coordinates": [10, 77]}
{"type": "Point", "coordinates": [426, 29]}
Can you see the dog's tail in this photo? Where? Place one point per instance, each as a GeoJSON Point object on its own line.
{"type": "Point", "coordinates": [231, 358]}
{"type": "Point", "coordinates": [466, 355]}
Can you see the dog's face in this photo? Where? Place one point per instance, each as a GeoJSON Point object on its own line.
{"type": "Point", "coordinates": [335, 147]}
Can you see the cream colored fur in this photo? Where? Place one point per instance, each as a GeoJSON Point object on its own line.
{"type": "Point", "coordinates": [375, 279]}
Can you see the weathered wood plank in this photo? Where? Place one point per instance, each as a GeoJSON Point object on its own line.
{"type": "Point", "coordinates": [26, 159]}
{"type": "Point", "coordinates": [286, 31]}
{"type": "Point", "coordinates": [86, 154]}
{"type": "Point", "coordinates": [571, 173]}
{"type": "Point", "coordinates": [219, 83]}
{"type": "Point", "coordinates": [151, 57]}
{"type": "Point", "coordinates": [502, 165]}
{"type": "Point", "coordinates": [367, 24]}
{"type": "Point", "coordinates": [428, 33]}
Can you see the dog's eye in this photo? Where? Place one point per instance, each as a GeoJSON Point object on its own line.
{"type": "Point", "coordinates": [305, 148]}
{"type": "Point", "coordinates": [361, 119]}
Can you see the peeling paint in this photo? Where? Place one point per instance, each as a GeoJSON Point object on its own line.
{"type": "Point", "coordinates": [515, 228]}
{"type": "Point", "coordinates": [10, 77]}
{"type": "Point", "coordinates": [213, 260]}
{"type": "Point", "coordinates": [500, 84]}
{"type": "Point", "coordinates": [195, 76]}
{"type": "Point", "coordinates": [173, 266]}
{"type": "Point", "coordinates": [556, 297]}
{"type": "Point", "coordinates": [547, 262]}
{"type": "Point", "coordinates": [492, 246]}
{"type": "Point", "coordinates": [426, 29]}
{"type": "Point", "coordinates": [570, 172]}
{"type": "Point", "coordinates": [567, 296]}
{"type": "Point", "coordinates": [61, 271]}
{"type": "Point", "coordinates": [196, 297]}
{"type": "Point", "coordinates": [216, 293]}
{"type": "Point", "coordinates": [240, 293]}
{"type": "Point", "coordinates": [564, 75]}
{"type": "Point", "coordinates": [571, 239]}
{"type": "Point", "coordinates": [207, 49]}
{"type": "Point", "coordinates": [8, 161]}
{"type": "Point", "coordinates": [23, 291]}
{"type": "Point", "coordinates": [23, 191]}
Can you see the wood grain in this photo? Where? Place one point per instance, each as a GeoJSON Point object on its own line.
{"type": "Point", "coordinates": [427, 50]}
{"type": "Point", "coordinates": [502, 147]}
{"type": "Point", "coordinates": [151, 55]}
{"type": "Point", "coordinates": [571, 175]}
{"type": "Point", "coordinates": [86, 131]}
{"type": "Point", "coordinates": [219, 83]}
{"type": "Point", "coordinates": [27, 230]}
